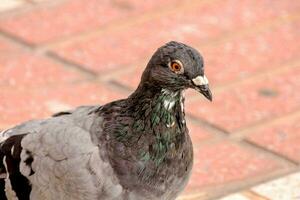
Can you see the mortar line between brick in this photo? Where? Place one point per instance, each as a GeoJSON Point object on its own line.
{"type": "Point", "coordinates": [221, 133]}
{"type": "Point", "coordinates": [16, 40]}
{"type": "Point", "coordinates": [290, 166]}
{"type": "Point", "coordinates": [262, 122]}
{"type": "Point", "coordinates": [125, 23]}
{"type": "Point", "coordinates": [69, 63]}
{"type": "Point", "coordinates": [265, 124]}
{"type": "Point", "coordinates": [49, 55]}
{"type": "Point", "coordinates": [120, 86]}
{"type": "Point", "coordinates": [215, 128]}
{"type": "Point", "coordinates": [275, 155]}
{"type": "Point", "coordinates": [251, 194]}
{"type": "Point", "coordinates": [109, 73]}
{"type": "Point", "coordinates": [272, 71]}
{"type": "Point", "coordinates": [248, 147]}
{"type": "Point", "coordinates": [52, 56]}
{"type": "Point", "coordinates": [254, 148]}
{"type": "Point", "coordinates": [267, 180]}
{"type": "Point", "coordinates": [261, 180]}
{"type": "Point", "coordinates": [261, 26]}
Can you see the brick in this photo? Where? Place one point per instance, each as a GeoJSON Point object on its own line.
{"type": "Point", "coordinates": [114, 51]}
{"type": "Point", "coordinates": [282, 137]}
{"type": "Point", "coordinates": [223, 163]}
{"type": "Point", "coordinates": [250, 102]}
{"type": "Point", "coordinates": [40, 102]}
{"type": "Point", "coordinates": [283, 188]}
{"type": "Point", "coordinates": [197, 133]}
{"type": "Point", "coordinates": [136, 43]}
{"type": "Point", "coordinates": [72, 16]}
{"type": "Point", "coordinates": [7, 47]}
{"type": "Point", "coordinates": [240, 57]}
{"type": "Point", "coordinates": [132, 77]}
{"type": "Point", "coordinates": [24, 69]}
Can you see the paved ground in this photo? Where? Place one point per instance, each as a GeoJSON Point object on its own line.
{"type": "Point", "coordinates": [58, 54]}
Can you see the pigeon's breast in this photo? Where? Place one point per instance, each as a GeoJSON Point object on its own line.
{"type": "Point", "coordinates": [144, 178]}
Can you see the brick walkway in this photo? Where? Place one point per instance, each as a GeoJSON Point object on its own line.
{"type": "Point", "coordinates": [59, 54]}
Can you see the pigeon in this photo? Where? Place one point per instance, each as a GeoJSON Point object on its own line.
{"type": "Point", "coordinates": [137, 148]}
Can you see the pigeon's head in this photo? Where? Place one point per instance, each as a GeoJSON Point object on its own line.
{"type": "Point", "coordinates": [177, 66]}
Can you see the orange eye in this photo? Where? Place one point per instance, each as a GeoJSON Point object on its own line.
{"type": "Point", "coordinates": [176, 66]}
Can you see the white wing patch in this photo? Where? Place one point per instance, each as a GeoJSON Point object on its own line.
{"type": "Point", "coordinates": [10, 194]}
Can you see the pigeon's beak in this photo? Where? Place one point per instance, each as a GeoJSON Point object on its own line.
{"type": "Point", "coordinates": [200, 83]}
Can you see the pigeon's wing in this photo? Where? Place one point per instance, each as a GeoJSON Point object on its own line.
{"type": "Point", "coordinates": [56, 159]}
{"type": "Point", "coordinates": [10, 150]}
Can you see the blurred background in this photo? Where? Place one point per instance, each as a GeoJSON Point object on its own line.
{"type": "Point", "coordinates": [59, 54]}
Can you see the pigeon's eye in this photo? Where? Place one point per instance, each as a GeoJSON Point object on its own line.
{"type": "Point", "coordinates": [176, 66]}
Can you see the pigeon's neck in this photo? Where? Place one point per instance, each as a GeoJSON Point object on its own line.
{"type": "Point", "coordinates": [159, 114]}
{"type": "Point", "coordinates": [162, 107]}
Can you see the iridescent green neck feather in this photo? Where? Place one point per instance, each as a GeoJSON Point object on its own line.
{"type": "Point", "coordinates": [157, 117]}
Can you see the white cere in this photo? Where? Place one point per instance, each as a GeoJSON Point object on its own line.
{"type": "Point", "coordinates": [200, 80]}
